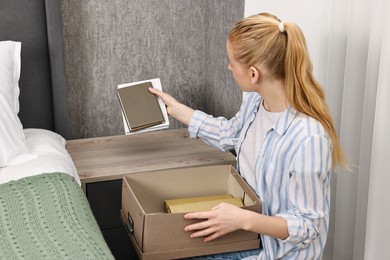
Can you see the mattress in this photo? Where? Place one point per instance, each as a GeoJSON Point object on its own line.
{"type": "Point", "coordinates": [44, 214]}
{"type": "Point", "coordinates": [46, 153]}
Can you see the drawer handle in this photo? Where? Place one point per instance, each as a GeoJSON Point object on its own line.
{"type": "Point", "coordinates": [129, 225]}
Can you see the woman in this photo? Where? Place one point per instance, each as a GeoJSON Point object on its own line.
{"type": "Point", "coordinates": [285, 141]}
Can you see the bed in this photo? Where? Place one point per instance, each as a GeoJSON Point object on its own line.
{"type": "Point", "coordinates": [44, 213]}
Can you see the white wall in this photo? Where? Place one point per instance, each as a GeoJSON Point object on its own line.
{"type": "Point", "coordinates": [311, 16]}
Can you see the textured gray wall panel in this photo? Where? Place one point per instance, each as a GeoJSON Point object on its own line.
{"type": "Point", "coordinates": [223, 96]}
{"type": "Point", "coordinates": [112, 42]}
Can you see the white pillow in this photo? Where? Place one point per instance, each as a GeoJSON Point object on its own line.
{"type": "Point", "coordinates": [12, 140]}
{"type": "Point", "coordinates": [42, 141]}
{"type": "Point", "coordinates": [10, 72]}
{"type": "Point", "coordinates": [47, 154]}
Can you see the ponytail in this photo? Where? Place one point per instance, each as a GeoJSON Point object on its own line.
{"type": "Point", "coordinates": [304, 93]}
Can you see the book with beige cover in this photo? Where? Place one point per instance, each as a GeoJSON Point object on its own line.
{"type": "Point", "coordinates": [203, 203]}
{"type": "Point", "coordinates": [141, 109]}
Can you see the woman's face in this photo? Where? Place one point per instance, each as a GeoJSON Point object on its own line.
{"type": "Point", "coordinates": [241, 74]}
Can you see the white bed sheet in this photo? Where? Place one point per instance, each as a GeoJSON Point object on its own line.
{"type": "Point", "coordinates": [46, 154]}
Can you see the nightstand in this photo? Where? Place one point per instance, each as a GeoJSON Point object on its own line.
{"type": "Point", "coordinates": [102, 162]}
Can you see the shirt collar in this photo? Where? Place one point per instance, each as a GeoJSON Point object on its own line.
{"type": "Point", "coordinates": [284, 122]}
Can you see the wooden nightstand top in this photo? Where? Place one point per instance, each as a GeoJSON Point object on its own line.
{"type": "Point", "coordinates": [109, 158]}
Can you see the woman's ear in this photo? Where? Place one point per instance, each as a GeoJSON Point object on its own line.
{"type": "Point", "coordinates": [255, 74]}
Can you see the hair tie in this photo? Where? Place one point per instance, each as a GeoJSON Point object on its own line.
{"type": "Point", "coordinates": [281, 27]}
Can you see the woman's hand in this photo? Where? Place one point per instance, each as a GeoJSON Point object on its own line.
{"type": "Point", "coordinates": [174, 108]}
{"type": "Point", "coordinates": [222, 219]}
{"type": "Point", "coordinates": [168, 100]}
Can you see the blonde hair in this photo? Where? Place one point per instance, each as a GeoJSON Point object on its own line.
{"type": "Point", "coordinates": [259, 39]}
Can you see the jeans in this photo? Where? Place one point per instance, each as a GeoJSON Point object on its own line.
{"type": "Point", "coordinates": [227, 256]}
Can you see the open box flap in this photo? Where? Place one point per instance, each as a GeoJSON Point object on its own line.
{"type": "Point", "coordinates": [238, 187]}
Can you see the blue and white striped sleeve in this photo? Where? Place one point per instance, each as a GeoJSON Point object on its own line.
{"type": "Point", "coordinates": [309, 191]}
{"type": "Point", "coordinates": [215, 131]}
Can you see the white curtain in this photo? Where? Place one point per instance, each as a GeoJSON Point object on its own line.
{"type": "Point", "coordinates": [358, 65]}
{"type": "Point", "coordinates": [352, 61]}
{"type": "Point", "coordinates": [378, 227]}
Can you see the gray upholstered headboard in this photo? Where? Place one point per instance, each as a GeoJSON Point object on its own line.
{"type": "Point", "coordinates": [43, 90]}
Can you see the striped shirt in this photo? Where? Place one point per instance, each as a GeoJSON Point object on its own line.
{"type": "Point", "coordinates": [292, 174]}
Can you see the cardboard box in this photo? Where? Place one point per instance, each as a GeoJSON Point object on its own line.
{"type": "Point", "coordinates": [156, 234]}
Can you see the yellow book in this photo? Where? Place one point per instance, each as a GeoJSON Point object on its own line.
{"type": "Point", "coordinates": [203, 203]}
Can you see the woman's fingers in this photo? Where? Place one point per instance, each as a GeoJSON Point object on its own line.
{"type": "Point", "coordinates": [157, 92]}
{"type": "Point", "coordinates": [222, 219]}
{"type": "Point", "coordinates": [206, 215]}
{"type": "Point", "coordinates": [206, 228]}
{"type": "Point", "coordinates": [199, 215]}
{"type": "Point", "coordinates": [166, 98]}
{"type": "Point", "coordinates": [198, 226]}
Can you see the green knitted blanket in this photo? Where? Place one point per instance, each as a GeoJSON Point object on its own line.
{"type": "Point", "coordinates": [48, 217]}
